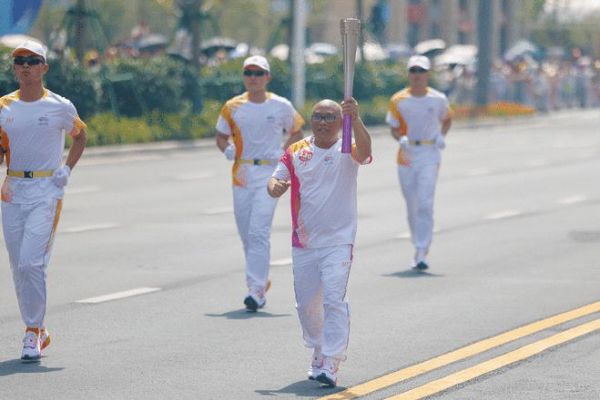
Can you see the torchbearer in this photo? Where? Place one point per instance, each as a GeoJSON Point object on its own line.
{"type": "Point", "coordinates": [324, 219]}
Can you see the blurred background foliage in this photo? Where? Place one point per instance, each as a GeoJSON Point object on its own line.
{"type": "Point", "coordinates": [154, 96]}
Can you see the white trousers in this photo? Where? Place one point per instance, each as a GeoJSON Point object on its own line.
{"type": "Point", "coordinates": [320, 284]}
{"type": "Point", "coordinates": [418, 183]}
{"type": "Point", "coordinates": [29, 232]}
{"type": "Point", "coordinates": [254, 210]}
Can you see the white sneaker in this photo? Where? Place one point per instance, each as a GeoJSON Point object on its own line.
{"type": "Point", "coordinates": [44, 338]}
{"type": "Point", "coordinates": [328, 374]}
{"type": "Point", "coordinates": [315, 365]}
{"type": "Point", "coordinates": [31, 347]}
{"type": "Point", "coordinates": [256, 298]}
{"type": "Point", "coordinates": [254, 301]}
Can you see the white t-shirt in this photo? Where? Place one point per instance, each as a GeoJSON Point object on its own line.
{"type": "Point", "coordinates": [419, 118]}
{"type": "Point", "coordinates": [257, 130]}
{"type": "Point", "coordinates": [323, 193]}
{"type": "Point", "coordinates": [33, 134]}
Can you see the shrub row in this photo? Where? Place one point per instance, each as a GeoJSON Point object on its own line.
{"type": "Point", "coordinates": [136, 87]}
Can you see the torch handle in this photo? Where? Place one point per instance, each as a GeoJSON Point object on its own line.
{"type": "Point", "coordinates": [347, 134]}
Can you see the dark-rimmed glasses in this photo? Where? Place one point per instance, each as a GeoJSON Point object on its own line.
{"type": "Point", "coordinates": [417, 70]}
{"type": "Point", "coordinates": [254, 72]}
{"type": "Point", "coordinates": [29, 60]}
{"type": "Point", "coordinates": [316, 117]}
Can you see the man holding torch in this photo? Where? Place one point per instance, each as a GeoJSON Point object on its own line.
{"type": "Point", "coordinates": [323, 197]}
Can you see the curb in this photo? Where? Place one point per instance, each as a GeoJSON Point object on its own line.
{"type": "Point", "coordinates": [209, 142]}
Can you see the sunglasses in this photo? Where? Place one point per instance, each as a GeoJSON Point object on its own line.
{"type": "Point", "coordinates": [253, 72]}
{"type": "Point", "coordinates": [316, 117]}
{"type": "Point", "coordinates": [417, 70]}
{"type": "Point", "coordinates": [30, 60]}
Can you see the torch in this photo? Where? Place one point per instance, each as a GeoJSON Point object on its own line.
{"type": "Point", "coordinates": [350, 29]}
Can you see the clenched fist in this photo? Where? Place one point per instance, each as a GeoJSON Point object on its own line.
{"type": "Point", "coordinates": [277, 187]}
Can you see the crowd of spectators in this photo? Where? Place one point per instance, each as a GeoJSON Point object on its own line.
{"type": "Point", "coordinates": [546, 85]}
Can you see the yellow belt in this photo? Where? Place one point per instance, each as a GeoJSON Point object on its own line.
{"type": "Point", "coordinates": [256, 161]}
{"type": "Point", "coordinates": [29, 174]}
{"type": "Point", "coordinates": [420, 142]}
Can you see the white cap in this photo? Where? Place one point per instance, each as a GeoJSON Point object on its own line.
{"type": "Point", "coordinates": [419, 61]}
{"type": "Point", "coordinates": [30, 46]}
{"type": "Point", "coordinates": [258, 61]}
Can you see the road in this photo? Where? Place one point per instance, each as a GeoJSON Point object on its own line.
{"type": "Point", "coordinates": [517, 243]}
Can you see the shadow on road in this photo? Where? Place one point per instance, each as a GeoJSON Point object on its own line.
{"type": "Point", "coordinates": [243, 314]}
{"type": "Point", "coordinates": [304, 388]}
{"type": "Point", "coordinates": [16, 366]}
{"type": "Point", "coordinates": [411, 273]}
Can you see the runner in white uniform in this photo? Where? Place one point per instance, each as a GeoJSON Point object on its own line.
{"type": "Point", "coordinates": [33, 122]}
{"type": "Point", "coordinates": [420, 118]}
{"type": "Point", "coordinates": [324, 219]}
{"type": "Point", "coordinates": [256, 121]}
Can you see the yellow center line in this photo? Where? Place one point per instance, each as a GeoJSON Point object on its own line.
{"type": "Point", "coordinates": [496, 363]}
{"type": "Point", "coordinates": [461, 354]}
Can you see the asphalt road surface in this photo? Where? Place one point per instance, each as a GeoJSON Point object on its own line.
{"type": "Point", "coordinates": [146, 281]}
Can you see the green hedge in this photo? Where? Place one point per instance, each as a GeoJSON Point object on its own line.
{"type": "Point", "coordinates": [104, 128]}
{"type": "Point", "coordinates": [143, 100]}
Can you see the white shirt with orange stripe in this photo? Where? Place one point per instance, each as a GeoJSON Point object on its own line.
{"type": "Point", "coordinates": [33, 135]}
{"type": "Point", "coordinates": [256, 130]}
{"type": "Point", "coordinates": [420, 118]}
{"type": "Point", "coordinates": [323, 193]}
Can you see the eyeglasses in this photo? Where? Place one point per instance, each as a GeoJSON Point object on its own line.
{"type": "Point", "coordinates": [316, 117]}
{"type": "Point", "coordinates": [30, 60]}
{"type": "Point", "coordinates": [417, 70]}
{"type": "Point", "coordinates": [254, 72]}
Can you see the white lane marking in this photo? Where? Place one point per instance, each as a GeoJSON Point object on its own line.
{"type": "Point", "coordinates": [281, 262]}
{"type": "Point", "coordinates": [218, 210]}
{"type": "Point", "coordinates": [479, 172]}
{"type": "Point", "coordinates": [86, 228]}
{"type": "Point", "coordinates": [84, 189]}
{"type": "Point", "coordinates": [502, 214]}
{"type": "Point", "coordinates": [118, 295]}
{"type": "Point", "coordinates": [406, 235]}
{"type": "Point", "coordinates": [572, 200]}
{"type": "Point", "coordinates": [194, 177]}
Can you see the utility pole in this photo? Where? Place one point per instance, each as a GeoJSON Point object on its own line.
{"type": "Point", "coordinates": [80, 25]}
{"type": "Point", "coordinates": [191, 14]}
{"type": "Point", "coordinates": [361, 39]}
{"type": "Point", "coordinates": [297, 53]}
{"type": "Point", "coordinates": [484, 28]}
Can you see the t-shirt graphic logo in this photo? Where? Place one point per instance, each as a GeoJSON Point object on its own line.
{"type": "Point", "coordinates": [43, 120]}
{"type": "Point", "coordinates": [328, 160]}
{"type": "Point", "coordinates": [305, 156]}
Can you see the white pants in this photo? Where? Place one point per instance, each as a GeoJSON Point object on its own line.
{"type": "Point", "coordinates": [254, 210]}
{"type": "Point", "coordinates": [29, 232]}
{"type": "Point", "coordinates": [418, 183]}
{"type": "Point", "coordinates": [320, 284]}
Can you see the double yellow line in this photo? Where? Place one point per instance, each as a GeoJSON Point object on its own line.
{"type": "Point", "coordinates": [474, 349]}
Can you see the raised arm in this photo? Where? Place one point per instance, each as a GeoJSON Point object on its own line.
{"type": "Point", "coordinates": [362, 139]}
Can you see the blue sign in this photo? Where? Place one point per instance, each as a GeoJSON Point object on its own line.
{"type": "Point", "coordinates": [17, 16]}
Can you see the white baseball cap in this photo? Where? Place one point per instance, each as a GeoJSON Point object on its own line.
{"type": "Point", "coordinates": [258, 61]}
{"type": "Point", "coordinates": [419, 61]}
{"type": "Point", "coordinates": [32, 47]}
